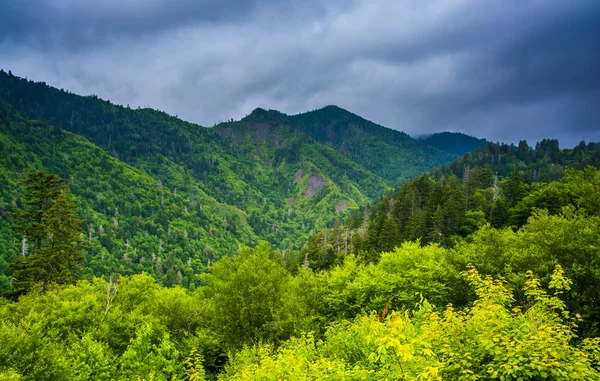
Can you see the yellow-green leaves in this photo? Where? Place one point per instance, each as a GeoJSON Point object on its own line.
{"type": "Point", "coordinates": [490, 340]}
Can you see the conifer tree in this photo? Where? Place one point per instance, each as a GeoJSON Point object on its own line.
{"type": "Point", "coordinates": [52, 231]}
{"type": "Point", "coordinates": [513, 187]}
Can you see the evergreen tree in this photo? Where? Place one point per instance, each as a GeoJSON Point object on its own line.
{"type": "Point", "coordinates": [52, 233]}
{"type": "Point", "coordinates": [455, 206]}
{"type": "Point", "coordinates": [499, 213]}
{"type": "Point", "coordinates": [523, 150]}
{"type": "Point", "coordinates": [513, 187]}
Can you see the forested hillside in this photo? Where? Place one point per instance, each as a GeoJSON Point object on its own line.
{"type": "Point", "coordinates": [322, 182]}
{"type": "Point", "coordinates": [390, 154]}
{"type": "Point", "coordinates": [393, 155]}
{"type": "Point", "coordinates": [287, 185]}
{"type": "Point", "coordinates": [132, 221]}
{"type": "Point", "coordinates": [500, 185]}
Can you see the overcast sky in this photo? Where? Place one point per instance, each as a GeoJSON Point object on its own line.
{"type": "Point", "coordinates": [499, 69]}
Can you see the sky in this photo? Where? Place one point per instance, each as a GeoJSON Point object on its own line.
{"type": "Point", "coordinates": [504, 70]}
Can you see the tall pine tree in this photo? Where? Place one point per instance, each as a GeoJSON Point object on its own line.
{"type": "Point", "coordinates": [51, 233]}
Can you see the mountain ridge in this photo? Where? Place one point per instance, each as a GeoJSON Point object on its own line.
{"type": "Point", "coordinates": [268, 176]}
{"type": "Point", "coordinates": [389, 153]}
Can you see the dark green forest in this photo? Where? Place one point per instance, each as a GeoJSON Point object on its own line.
{"type": "Point", "coordinates": [137, 246]}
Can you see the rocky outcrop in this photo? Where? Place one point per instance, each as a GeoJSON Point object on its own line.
{"type": "Point", "coordinates": [314, 184]}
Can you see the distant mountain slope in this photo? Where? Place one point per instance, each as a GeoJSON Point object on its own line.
{"type": "Point", "coordinates": [273, 136]}
{"type": "Point", "coordinates": [133, 222]}
{"type": "Point", "coordinates": [454, 143]}
{"type": "Point", "coordinates": [391, 154]}
{"type": "Point", "coordinates": [317, 182]}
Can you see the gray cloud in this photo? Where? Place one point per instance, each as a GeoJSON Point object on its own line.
{"type": "Point", "coordinates": [505, 70]}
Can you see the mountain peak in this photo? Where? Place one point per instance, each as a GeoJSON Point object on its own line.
{"type": "Point", "coordinates": [455, 143]}
{"type": "Point", "coordinates": [333, 108]}
{"type": "Point", "coordinates": [258, 111]}
{"type": "Point", "coordinates": [332, 111]}
{"type": "Point", "coordinates": [260, 115]}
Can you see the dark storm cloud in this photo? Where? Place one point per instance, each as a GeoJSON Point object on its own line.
{"type": "Point", "coordinates": [77, 24]}
{"type": "Point", "coordinates": [501, 69]}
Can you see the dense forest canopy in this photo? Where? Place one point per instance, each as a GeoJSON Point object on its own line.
{"type": "Point", "coordinates": [137, 246]}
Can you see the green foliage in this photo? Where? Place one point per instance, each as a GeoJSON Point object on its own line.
{"type": "Point", "coordinates": [245, 294]}
{"type": "Point", "coordinates": [544, 163]}
{"type": "Point", "coordinates": [400, 279]}
{"type": "Point", "coordinates": [151, 355]}
{"type": "Point", "coordinates": [568, 235]}
{"type": "Point", "coordinates": [194, 365]}
{"type": "Point", "coordinates": [85, 331]}
{"type": "Point", "coordinates": [368, 320]}
{"type": "Point", "coordinates": [297, 359]}
{"type": "Point", "coordinates": [449, 210]}
{"type": "Point", "coordinates": [571, 240]}
{"type": "Point", "coordinates": [490, 340]}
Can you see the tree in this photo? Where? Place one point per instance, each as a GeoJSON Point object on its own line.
{"type": "Point", "coordinates": [513, 187]}
{"type": "Point", "coordinates": [523, 150]}
{"type": "Point", "coordinates": [246, 296]}
{"type": "Point", "coordinates": [52, 233]}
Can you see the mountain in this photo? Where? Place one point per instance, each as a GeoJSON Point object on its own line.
{"type": "Point", "coordinates": [306, 182]}
{"type": "Point", "coordinates": [454, 143]}
{"type": "Point", "coordinates": [273, 195]}
{"type": "Point", "coordinates": [204, 191]}
{"type": "Point", "coordinates": [391, 154]}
